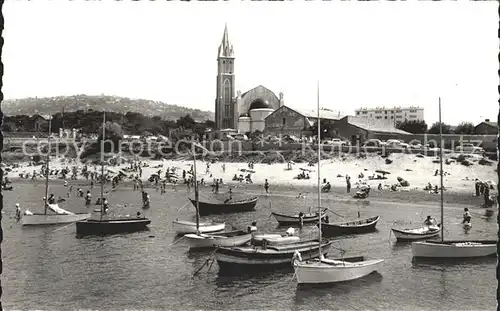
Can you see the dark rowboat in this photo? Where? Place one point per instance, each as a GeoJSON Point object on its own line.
{"type": "Point", "coordinates": [245, 205]}
{"type": "Point", "coordinates": [111, 226]}
{"type": "Point", "coordinates": [240, 258]}
{"type": "Point", "coordinates": [350, 227]}
{"type": "Point", "coordinates": [294, 220]}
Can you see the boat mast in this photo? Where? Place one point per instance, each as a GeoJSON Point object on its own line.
{"type": "Point", "coordinates": [196, 194]}
{"type": "Point", "coordinates": [102, 160]}
{"type": "Point", "coordinates": [441, 169]}
{"type": "Point", "coordinates": [319, 177]}
{"type": "Point", "coordinates": [47, 166]}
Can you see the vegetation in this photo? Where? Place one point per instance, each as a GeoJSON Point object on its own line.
{"type": "Point", "coordinates": [85, 103]}
{"type": "Point", "coordinates": [413, 126]}
{"type": "Point", "coordinates": [435, 128]}
{"type": "Point", "coordinates": [465, 128]}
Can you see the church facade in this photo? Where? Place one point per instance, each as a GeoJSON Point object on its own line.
{"type": "Point", "coordinates": [242, 112]}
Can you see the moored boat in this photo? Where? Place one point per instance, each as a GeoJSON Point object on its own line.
{"type": "Point", "coordinates": [223, 239]}
{"type": "Point", "coordinates": [454, 249]}
{"type": "Point", "coordinates": [295, 219]}
{"type": "Point", "coordinates": [106, 224]}
{"type": "Point", "coordinates": [324, 270]}
{"type": "Point", "coordinates": [274, 239]}
{"type": "Point", "coordinates": [332, 271]}
{"type": "Point", "coordinates": [208, 208]}
{"type": "Point", "coordinates": [184, 227]}
{"type": "Point", "coordinates": [111, 226]}
{"type": "Point", "coordinates": [421, 233]}
{"type": "Point", "coordinates": [252, 256]}
{"type": "Point", "coordinates": [350, 227]}
{"type": "Point", "coordinates": [56, 216]}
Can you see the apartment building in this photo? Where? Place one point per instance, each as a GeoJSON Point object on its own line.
{"type": "Point", "coordinates": [394, 114]}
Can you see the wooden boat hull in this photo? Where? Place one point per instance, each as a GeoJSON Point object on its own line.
{"type": "Point", "coordinates": [111, 226]}
{"type": "Point", "coordinates": [454, 249]}
{"type": "Point", "coordinates": [225, 208]}
{"type": "Point", "coordinates": [251, 257]}
{"type": "Point", "coordinates": [184, 227]}
{"type": "Point", "coordinates": [415, 234]}
{"type": "Point", "coordinates": [294, 220]}
{"type": "Point", "coordinates": [352, 227]}
{"type": "Point", "coordinates": [52, 219]}
{"type": "Point", "coordinates": [333, 271]}
{"type": "Point", "coordinates": [218, 240]}
{"type": "Point", "coordinates": [274, 239]}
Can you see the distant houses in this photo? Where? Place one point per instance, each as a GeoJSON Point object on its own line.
{"type": "Point", "coordinates": [486, 128]}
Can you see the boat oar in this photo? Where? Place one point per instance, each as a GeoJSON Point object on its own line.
{"type": "Point", "coordinates": [206, 262]}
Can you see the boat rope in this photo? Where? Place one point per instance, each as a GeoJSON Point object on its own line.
{"type": "Point", "coordinates": [182, 237]}
{"type": "Point", "coordinates": [206, 261]}
{"type": "Point", "coordinates": [55, 230]}
{"type": "Point", "coordinates": [329, 210]}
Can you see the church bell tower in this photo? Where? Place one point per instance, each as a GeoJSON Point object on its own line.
{"type": "Point", "coordinates": [226, 114]}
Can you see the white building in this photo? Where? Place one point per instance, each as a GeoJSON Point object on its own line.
{"type": "Point", "coordinates": [394, 114]}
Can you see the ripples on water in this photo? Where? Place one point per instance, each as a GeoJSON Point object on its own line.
{"type": "Point", "coordinates": [50, 268]}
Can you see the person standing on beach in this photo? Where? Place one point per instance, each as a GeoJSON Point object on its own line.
{"type": "Point", "coordinates": [348, 181]}
{"type": "Point", "coordinates": [223, 167]}
{"type": "Point", "coordinates": [266, 186]}
{"type": "Point", "coordinates": [477, 187]}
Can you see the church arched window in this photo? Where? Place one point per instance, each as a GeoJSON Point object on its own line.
{"type": "Point", "coordinates": [227, 98]}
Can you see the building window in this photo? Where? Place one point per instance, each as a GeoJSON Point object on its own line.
{"type": "Point", "coordinates": [385, 117]}
{"type": "Point", "coordinates": [392, 117]}
{"type": "Point", "coordinates": [284, 121]}
{"type": "Point", "coordinates": [357, 113]}
{"type": "Point", "coordinates": [378, 117]}
{"type": "Point", "coordinates": [413, 110]}
{"type": "Point", "coordinates": [386, 112]}
{"type": "Point", "coordinates": [365, 112]}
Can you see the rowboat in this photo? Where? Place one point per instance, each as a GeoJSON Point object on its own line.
{"type": "Point", "coordinates": [111, 226]}
{"type": "Point", "coordinates": [331, 271]}
{"type": "Point", "coordinates": [451, 248]}
{"type": "Point", "coordinates": [252, 256]}
{"type": "Point", "coordinates": [454, 249]}
{"type": "Point", "coordinates": [274, 239]}
{"type": "Point", "coordinates": [56, 215]}
{"type": "Point", "coordinates": [295, 219]}
{"type": "Point", "coordinates": [183, 227]}
{"type": "Point", "coordinates": [224, 239]}
{"type": "Point", "coordinates": [351, 227]}
{"type": "Point", "coordinates": [207, 208]}
{"type": "Point", "coordinates": [425, 232]}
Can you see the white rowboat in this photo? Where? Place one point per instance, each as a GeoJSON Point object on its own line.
{"type": "Point", "coordinates": [416, 234]}
{"type": "Point", "coordinates": [184, 227]}
{"type": "Point", "coordinates": [58, 216]}
{"type": "Point", "coordinates": [454, 249]}
{"type": "Point", "coordinates": [225, 239]}
{"type": "Point", "coordinates": [332, 271]}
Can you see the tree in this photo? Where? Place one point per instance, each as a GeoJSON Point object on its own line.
{"type": "Point", "coordinates": [435, 128]}
{"type": "Point", "coordinates": [186, 122]}
{"type": "Point", "coordinates": [327, 129]}
{"type": "Point", "coordinates": [210, 124]}
{"type": "Point", "coordinates": [465, 128]}
{"type": "Point", "coordinates": [114, 134]}
{"type": "Point", "coordinates": [413, 126]}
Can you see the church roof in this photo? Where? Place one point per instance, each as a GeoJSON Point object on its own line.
{"type": "Point", "coordinates": [259, 104]}
{"type": "Point", "coordinates": [226, 48]}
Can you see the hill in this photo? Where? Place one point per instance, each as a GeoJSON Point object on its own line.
{"type": "Point", "coordinates": [52, 105]}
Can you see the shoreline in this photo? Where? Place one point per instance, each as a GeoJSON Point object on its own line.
{"type": "Point", "coordinates": [336, 194]}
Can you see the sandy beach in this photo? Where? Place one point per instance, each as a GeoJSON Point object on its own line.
{"type": "Point", "coordinates": [418, 171]}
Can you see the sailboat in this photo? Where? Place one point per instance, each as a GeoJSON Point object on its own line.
{"type": "Point", "coordinates": [201, 240]}
{"type": "Point", "coordinates": [455, 248]}
{"type": "Point", "coordinates": [323, 270]}
{"type": "Point", "coordinates": [53, 214]}
{"type": "Point", "coordinates": [105, 224]}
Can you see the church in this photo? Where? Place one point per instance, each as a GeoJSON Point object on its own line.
{"type": "Point", "coordinates": [241, 112]}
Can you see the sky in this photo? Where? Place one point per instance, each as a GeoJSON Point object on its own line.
{"type": "Point", "coordinates": [364, 54]}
